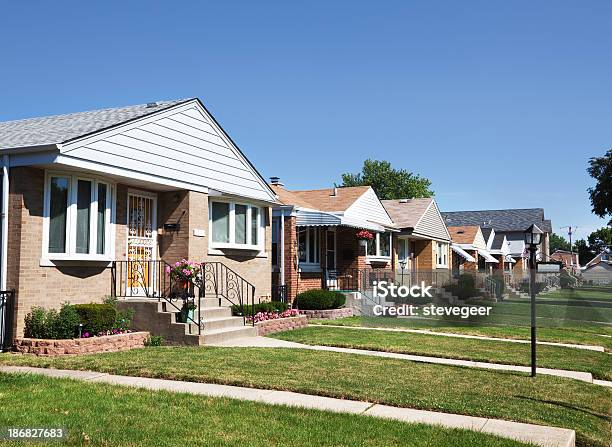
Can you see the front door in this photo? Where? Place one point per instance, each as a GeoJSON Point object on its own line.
{"type": "Point", "coordinates": [141, 243]}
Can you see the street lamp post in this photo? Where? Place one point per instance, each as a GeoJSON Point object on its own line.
{"type": "Point", "coordinates": [533, 237]}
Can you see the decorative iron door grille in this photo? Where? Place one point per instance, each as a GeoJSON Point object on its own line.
{"type": "Point", "coordinates": [141, 244]}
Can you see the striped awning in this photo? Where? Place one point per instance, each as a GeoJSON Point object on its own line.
{"type": "Point", "coordinates": [461, 252]}
{"type": "Point", "coordinates": [314, 218]}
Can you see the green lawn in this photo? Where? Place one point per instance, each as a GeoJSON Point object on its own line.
{"type": "Point", "coordinates": [107, 415]}
{"type": "Point", "coordinates": [597, 363]}
{"type": "Point", "coordinates": [513, 396]}
{"type": "Point", "coordinates": [585, 293]}
{"type": "Point", "coordinates": [584, 335]}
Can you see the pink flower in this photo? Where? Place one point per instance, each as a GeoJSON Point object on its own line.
{"type": "Point", "coordinates": [186, 272]}
{"type": "Point", "coordinates": [168, 269]}
{"type": "Point", "coordinates": [177, 264]}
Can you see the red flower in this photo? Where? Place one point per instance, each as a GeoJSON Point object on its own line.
{"type": "Point", "coordinates": [364, 235]}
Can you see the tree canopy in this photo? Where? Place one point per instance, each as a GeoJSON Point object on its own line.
{"type": "Point", "coordinates": [558, 243]}
{"type": "Point", "coordinates": [389, 183]}
{"type": "Point", "coordinates": [600, 168]}
{"type": "Point", "coordinates": [600, 239]}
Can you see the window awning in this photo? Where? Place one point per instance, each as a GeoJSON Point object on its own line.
{"type": "Point", "coordinates": [461, 252]}
{"type": "Point", "coordinates": [487, 256]}
{"type": "Point", "coordinates": [314, 218]}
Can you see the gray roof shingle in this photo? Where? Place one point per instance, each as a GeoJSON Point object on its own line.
{"type": "Point", "coordinates": [500, 220]}
{"type": "Point", "coordinates": [498, 240]}
{"type": "Point", "coordinates": [62, 128]}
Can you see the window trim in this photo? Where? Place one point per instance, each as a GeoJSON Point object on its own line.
{"type": "Point", "coordinates": [260, 246]}
{"type": "Point", "coordinates": [70, 253]}
{"type": "Point", "coordinates": [442, 245]}
{"type": "Point", "coordinates": [307, 265]}
{"type": "Point", "coordinates": [378, 257]}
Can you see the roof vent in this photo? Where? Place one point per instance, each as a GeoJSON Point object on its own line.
{"type": "Point", "coordinates": [403, 201]}
{"type": "Point", "coordinates": [275, 181]}
{"type": "Point", "coordinates": [334, 192]}
{"type": "Point", "coordinates": [151, 105]}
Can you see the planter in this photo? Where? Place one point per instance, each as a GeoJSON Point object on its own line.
{"type": "Point", "coordinates": [281, 324]}
{"type": "Point", "coordinates": [80, 346]}
{"type": "Point", "coordinates": [329, 314]}
{"type": "Point", "coordinates": [186, 316]}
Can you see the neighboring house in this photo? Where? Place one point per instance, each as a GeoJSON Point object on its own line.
{"type": "Point", "coordinates": [512, 223]}
{"type": "Point", "coordinates": [569, 259]}
{"type": "Point", "coordinates": [499, 247]}
{"type": "Point", "coordinates": [153, 182]}
{"type": "Point", "coordinates": [470, 250]}
{"type": "Point", "coordinates": [598, 271]}
{"type": "Point", "coordinates": [423, 243]}
{"type": "Point", "coordinates": [315, 243]}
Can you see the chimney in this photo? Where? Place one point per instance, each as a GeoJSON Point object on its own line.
{"type": "Point", "coordinates": [275, 181]}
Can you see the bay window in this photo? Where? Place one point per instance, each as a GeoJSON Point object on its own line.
{"type": "Point", "coordinates": [235, 225]}
{"type": "Point", "coordinates": [380, 246]}
{"type": "Point", "coordinates": [77, 221]}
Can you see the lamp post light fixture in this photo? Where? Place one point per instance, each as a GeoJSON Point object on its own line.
{"type": "Point", "coordinates": [533, 237]}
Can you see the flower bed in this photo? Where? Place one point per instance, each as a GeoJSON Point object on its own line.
{"type": "Point", "coordinates": [79, 346]}
{"type": "Point", "coordinates": [330, 314]}
{"type": "Point", "coordinates": [266, 327]}
{"type": "Point", "coordinates": [264, 316]}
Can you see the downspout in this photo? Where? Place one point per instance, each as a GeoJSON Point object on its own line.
{"type": "Point", "coordinates": [282, 247]}
{"type": "Point", "coordinates": [4, 218]}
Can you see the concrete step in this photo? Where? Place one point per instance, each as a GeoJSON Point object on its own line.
{"type": "Point", "coordinates": [220, 323]}
{"type": "Point", "coordinates": [223, 335]}
{"type": "Point", "coordinates": [214, 302]}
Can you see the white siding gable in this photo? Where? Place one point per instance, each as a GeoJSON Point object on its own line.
{"type": "Point", "coordinates": [431, 224]}
{"type": "Point", "coordinates": [181, 144]}
{"type": "Point", "coordinates": [369, 207]}
{"type": "Point", "coordinates": [479, 241]}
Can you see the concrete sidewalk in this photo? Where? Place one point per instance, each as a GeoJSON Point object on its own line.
{"type": "Point", "coordinates": [536, 434]}
{"type": "Point", "coordinates": [473, 337]}
{"type": "Point", "coordinates": [265, 342]}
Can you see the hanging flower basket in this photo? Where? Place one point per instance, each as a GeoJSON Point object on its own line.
{"type": "Point", "coordinates": [364, 235]}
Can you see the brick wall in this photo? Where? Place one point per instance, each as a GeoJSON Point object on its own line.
{"type": "Point", "coordinates": [84, 282]}
{"type": "Point", "coordinates": [37, 285]}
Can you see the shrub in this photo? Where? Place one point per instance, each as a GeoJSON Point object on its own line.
{"type": "Point", "coordinates": [154, 340]}
{"type": "Point", "coordinates": [319, 299]}
{"type": "Point", "coordinates": [567, 281]}
{"type": "Point", "coordinates": [465, 287]}
{"type": "Point", "coordinates": [49, 323]}
{"type": "Point", "coordinates": [96, 317]}
{"type": "Point", "coordinates": [265, 307]}
{"type": "Point", "coordinates": [123, 321]}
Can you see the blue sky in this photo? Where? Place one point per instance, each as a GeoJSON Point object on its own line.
{"type": "Point", "coordinates": [500, 104]}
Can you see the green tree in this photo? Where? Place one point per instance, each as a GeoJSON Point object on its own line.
{"type": "Point", "coordinates": [558, 243]}
{"type": "Point", "coordinates": [600, 168]}
{"type": "Point", "coordinates": [600, 239]}
{"type": "Point", "coordinates": [389, 183]}
{"type": "Point", "coordinates": [585, 254]}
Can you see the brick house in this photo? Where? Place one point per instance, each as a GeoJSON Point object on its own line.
{"type": "Point", "coordinates": [511, 223]}
{"type": "Point", "coordinates": [423, 243]}
{"type": "Point", "coordinates": [569, 259]}
{"type": "Point", "coordinates": [468, 239]}
{"type": "Point", "coordinates": [314, 243]}
{"type": "Point", "coordinates": [154, 182]}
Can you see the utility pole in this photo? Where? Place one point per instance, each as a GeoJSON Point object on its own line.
{"type": "Point", "coordinates": [571, 230]}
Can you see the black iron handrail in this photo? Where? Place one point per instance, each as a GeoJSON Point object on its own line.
{"type": "Point", "coordinates": [151, 279]}
{"type": "Point", "coordinates": [7, 310]}
{"type": "Point", "coordinates": [225, 283]}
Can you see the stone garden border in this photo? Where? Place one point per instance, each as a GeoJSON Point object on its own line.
{"type": "Point", "coordinates": [79, 346]}
{"type": "Point", "coordinates": [281, 324]}
{"type": "Point", "coordinates": [330, 314]}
